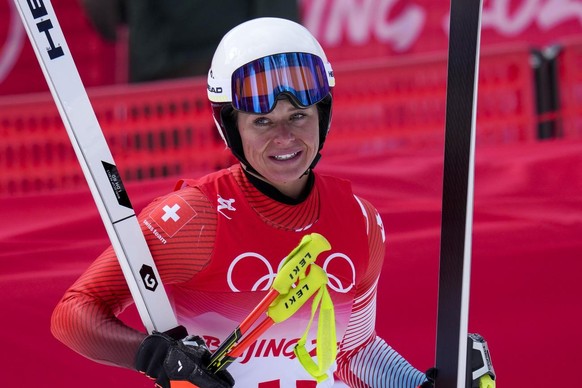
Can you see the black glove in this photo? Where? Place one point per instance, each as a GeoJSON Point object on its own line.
{"type": "Point", "coordinates": [430, 376]}
{"type": "Point", "coordinates": [166, 359]}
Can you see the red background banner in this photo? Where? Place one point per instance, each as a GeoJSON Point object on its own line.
{"type": "Point", "coordinates": [526, 263]}
{"type": "Point", "coordinates": [347, 29]}
{"type": "Point", "coordinates": [387, 139]}
{"type": "Point", "coordinates": [396, 27]}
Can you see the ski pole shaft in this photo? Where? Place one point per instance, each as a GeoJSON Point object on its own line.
{"type": "Point", "coordinates": [258, 310]}
{"type": "Point", "coordinates": [217, 361]}
{"type": "Point", "coordinates": [241, 346]}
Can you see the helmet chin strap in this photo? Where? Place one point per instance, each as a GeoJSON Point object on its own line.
{"type": "Point", "coordinates": [312, 165]}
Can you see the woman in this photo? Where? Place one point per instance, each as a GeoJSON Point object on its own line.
{"type": "Point", "coordinates": [270, 86]}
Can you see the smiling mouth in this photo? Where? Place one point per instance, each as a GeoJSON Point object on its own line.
{"type": "Point", "coordinates": [286, 156]}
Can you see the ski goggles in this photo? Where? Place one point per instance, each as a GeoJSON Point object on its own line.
{"type": "Point", "coordinates": [257, 84]}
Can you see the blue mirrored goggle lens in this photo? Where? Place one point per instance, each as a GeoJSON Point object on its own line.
{"type": "Point", "coordinates": [256, 85]}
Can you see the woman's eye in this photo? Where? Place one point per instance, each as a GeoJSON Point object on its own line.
{"type": "Point", "coordinates": [298, 116]}
{"type": "Point", "coordinates": [261, 121]}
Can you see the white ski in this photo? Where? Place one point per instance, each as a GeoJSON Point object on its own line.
{"type": "Point", "coordinates": [98, 166]}
{"type": "Point", "coordinates": [458, 187]}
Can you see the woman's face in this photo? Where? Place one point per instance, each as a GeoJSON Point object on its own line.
{"type": "Point", "coordinates": [281, 145]}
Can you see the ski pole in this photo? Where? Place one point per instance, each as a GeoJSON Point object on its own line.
{"type": "Point", "coordinates": [284, 306]}
{"type": "Point", "coordinates": [293, 270]}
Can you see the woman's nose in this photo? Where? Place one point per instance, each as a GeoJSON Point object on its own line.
{"type": "Point", "coordinates": [283, 133]}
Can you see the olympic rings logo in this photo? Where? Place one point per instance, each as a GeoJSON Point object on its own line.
{"type": "Point", "coordinates": [265, 281]}
{"type": "Point", "coordinates": [334, 282]}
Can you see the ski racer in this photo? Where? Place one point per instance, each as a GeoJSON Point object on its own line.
{"type": "Point", "coordinates": [218, 240]}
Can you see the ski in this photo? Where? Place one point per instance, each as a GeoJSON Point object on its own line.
{"type": "Point", "coordinates": [97, 163]}
{"type": "Point", "coordinates": [457, 202]}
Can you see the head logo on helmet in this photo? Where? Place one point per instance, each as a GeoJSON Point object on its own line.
{"type": "Point", "coordinates": [214, 90]}
{"type": "Point", "coordinates": [260, 59]}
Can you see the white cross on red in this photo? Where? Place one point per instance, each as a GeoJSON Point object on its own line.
{"type": "Point", "coordinates": [171, 212]}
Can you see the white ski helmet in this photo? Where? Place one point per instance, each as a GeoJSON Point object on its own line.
{"type": "Point", "coordinates": [259, 60]}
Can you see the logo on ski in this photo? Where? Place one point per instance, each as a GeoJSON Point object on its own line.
{"type": "Point", "coordinates": [117, 184]}
{"type": "Point", "coordinates": [38, 11]}
{"type": "Point", "coordinates": [149, 278]}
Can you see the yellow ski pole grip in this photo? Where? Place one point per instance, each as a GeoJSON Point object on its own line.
{"type": "Point", "coordinates": [287, 304]}
{"type": "Point", "coordinates": [296, 263]}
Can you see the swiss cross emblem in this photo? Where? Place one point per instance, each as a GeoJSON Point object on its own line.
{"type": "Point", "coordinates": [172, 214]}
